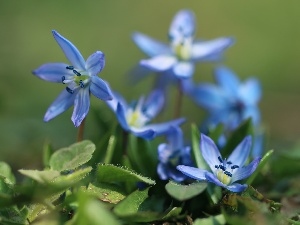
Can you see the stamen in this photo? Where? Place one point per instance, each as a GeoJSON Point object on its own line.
{"type": "Point", "coordinates": [63, 79]}
{"type": "Point", "coordinates": [81, 84]}
{"type": "Point", "coordinates": [69, 90]}
{"type": "Point", "coordinates": [228, 173]}
{"type": "Point", "coordinates": [222, 167]}
{"type": "Point", "coordinates": [70, 67]}
{"type": "Point", "coordinates": [216, 166]}
{"type": "Point", "coordinates": [220, 159]}
{"type": "Point", "coordinates": [235, 167]}
{"type": "Point", "coordinates": [229, 162]}
{"type": "Point", "coordinates": [76, 73]}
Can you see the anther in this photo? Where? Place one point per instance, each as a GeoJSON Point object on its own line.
{"type": "Point", "coordinates": [234, 167]}
{"type": "Point", "coordinates": [69, 90]}
{"type": "Point", "coordinates": [220, 159]}
{"type": "Point", "coordinates": [228, 173]}
{"type": "Point", "coordinates": [63, 79]}
{"type": "Point", "coordinates": [81, 84]}
{"type": "Point", "coordinates": [216, 166]}
{"type": "Point", "coordinates": [222, 167]}
{"type": "Point", "coordinates": [70, 67]}
{"type": "Point", "coordinates": [76, 73]}
{"type": "Point", "coordinates": [229, 162]}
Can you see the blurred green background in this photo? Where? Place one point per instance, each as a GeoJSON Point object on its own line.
{"type": "Point", "coordinates": [267, 46]}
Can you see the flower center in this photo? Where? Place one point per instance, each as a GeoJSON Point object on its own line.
{"type": "Point", "coordinates": [135, 116]}
{"type": "Point", "coordinates": [224, 170]}
{"type": "Point", "coordinates": [183, 48]}
{"type": "Point", "coordinates": [80, 79]}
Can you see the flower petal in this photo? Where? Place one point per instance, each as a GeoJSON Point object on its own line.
{"type": "Point", "coordinates": [164, 151]}
{"type": "Point", "coordinates": [250, 91]}
{"type": "Point", "coordinates": [183, 25]}
{"type": "Point", "coordinates": [150, 46]}
{"type": "Point", "coordinates": [184, 69]}
{"type": "Point", "coordinates": [193, 172]}
{"type": "Point", "coordinates": [175, 138]}
{"type": "Point", "coordinates": [154, 103]}
{"type": "Point", "coordinates": [100, 89]}
{"type": "Point", "coordinates": [210, 152]}
{"type": "Point", "coordinates": [162, 128]}
{"type": "Point", "coordinates": [237, 187]}
{"type": "Point", "coordinates": [71, 52]}
{"type": "Point", "coordinates": [52, 72]}
{"type": "Point", "coordinates": [253, 113]}
{"type": "Point", "coordinates": [95, 63]}
{"type": "Point", "coordinates": [159, 63]}
{"type": "Point", "coordinates": [213, 179]}
{"type": "Point", "coordinates": [64, 101]}
{"type": "Point", "coordinates": [145, 133]}
{"type": "Point", "coordinates": [227, 80]}
{"type": "Point", "coordinates": [210, 50]}
{"type": "Point", "coordinates": [81, 106]}
{"type": "Point", "coordinates": [241, 152]}
{"type": "Point", "coordinates": [121, 116]}
{"type": "Point", "coordinates": [246, 171]}
{"type": "Point", "coordinates": [117, 98]}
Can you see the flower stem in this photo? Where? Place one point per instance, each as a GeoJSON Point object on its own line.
{"type": "Point", "coordinates": [178, 101]}
{"type": "Point", "coordinates": [125, 142]}
{"type": "Point", "coordinates": [80, 131]}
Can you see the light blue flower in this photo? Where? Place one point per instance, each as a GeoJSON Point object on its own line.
{"type": "Point", "coordinates": [172, 154]}
{"type": "Point", "coordinates": [81, 79]}
{"type": "Point", "coordinates": [180, 55]}
{"type": "Point", "coordinates": [135, 118]}
{"type": "Point", "coordinates": [230, 102]}
{"type": "Point", "coordinates": [225, 172]}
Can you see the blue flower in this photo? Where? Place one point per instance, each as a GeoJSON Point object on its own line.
{"type": "Point", "coordinates": [225, 172]}
{"type": "Point", "coordinates": [172, 154]}
{"type": "Point", "coordinates": [230, 102]}
{"type": "Point", "coordinates": [180, 55]}
{"type": "Point", "coordinates": [81, 79]}
{"type": "Point", "coordinates": [135, 118]}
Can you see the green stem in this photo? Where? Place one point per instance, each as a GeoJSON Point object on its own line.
{"type": "Point", "coordinates": [80, 131]}
{"type": "Point", "coordinates": [125, 142]}
{"type": "Point", "coordinates": [178, 101]}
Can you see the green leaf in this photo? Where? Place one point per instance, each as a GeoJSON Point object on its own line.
{"type": "Point", "coordinates": [173, 213]}
{"type": "Point", "coordinates": [212, 220]}
{"type": "Point", "coordinates": [72, 157]}
{"type": "Point", "coordinates": [110, 193]}
{"type": "Point", "coordinates": [13, 215]}
{"type": "Point", "coordinates": [47, 152]}
{"type": "Point", "coordinates": [260, 166]}
{"type": "Point", "coordinates": [41, 176]}
{"type": "Point", "coordinates": [200, 162]}
{"type": "Point", "coordinates": [110, 149]}
{"type": "Point", "coordinates": [5, 172]}
{"type": "Point", "coordinates": [111, 174]}
{"type": "Point", "coordinates": [185, 192]}
{"type": "Point", "coordinates": [135, 208]}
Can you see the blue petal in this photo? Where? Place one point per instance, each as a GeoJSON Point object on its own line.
{"type": "Point", "coordinates": [210, 97]}
{"type": "Point", "coordinates": [163, 128]}
{"type": "Point", "coordinates": [154, 103]}
{"type": "Point", "coordinates": [246, 171]}
{"type": "Point", "coordinates": [183, 25]}
{"type": "Point", "coordinates": [117, 98]}
{"type": "Point", "coordinates": [159, 63]}
{"type": "Point", "coordinates": [184, 69]}
{"type": "Point", "coordinates": [165, 172]}
{"type": "Point", "coordinates": [241, 152]}
{"type": "Point", "coordinates": [64, 101]}
{"type": "Point", "coordinates": [253, 113]}
{"type": "Point", "coordinates": [213, 179]}
{"type": "Point", "coordinates": [147, 134]}
{"type": "Point", "coordinates": [71, 52]}
{"type": "Point", "coordinates": [150, 46]}
{"type": "Point", "coordinates": [95, 63]}
{"type": "Point", "coordinates": [237, 187]}
{"type": "Point", "coordinates": [209, 151]}
{"type": "Point", "coordinates": [250, 91]}
{"type": "Point", "coordinates": [175, 138]}
{"type": "Point", "coordinates": [195, 173]}
{"type": "Point", "coordinates": [165, 151]}
{"type": "Point", "coordinates": [100, 88]}
{"type": "Point", "coordinates": [257, 147]}
{"type": "Point", "coordinates": [81, 106]}
{"type": "Point", "coordinates": [52, 72]}
{"type": "Point", "coordinates": [121, 115]}
{"type": "Point", "coordinates": [210, 50]}
{"type": "Point", "coordinates": [227, 80]}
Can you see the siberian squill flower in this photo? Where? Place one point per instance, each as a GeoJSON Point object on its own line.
{"type": "Point", "coordinates": [225, 172]}
{"type": "Point", "coordinates": [181, 54]}
{"type": "Point", "coordinates": [135, 118]}
{"type": "Point", "coordinates": [230, 102]}
{"type": "Point", "coordinates": [81, 79]}
{"type": "Point", "coordinates": [172, 154]}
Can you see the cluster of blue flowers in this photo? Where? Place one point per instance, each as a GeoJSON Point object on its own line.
{"type": "Point", "coordinates": [230, 102]}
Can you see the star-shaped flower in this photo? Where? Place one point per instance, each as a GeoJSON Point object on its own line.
{"type": "Point", "coordinates": [172, 154]}
{"type": "Point", "coordinates": [225, 172]}
{"type": "Point", "coordinates": [180, 55]}
{"type": "Point", "coordinates": [230, 102]}
{"type": "Point", "coordinates": [81, 79]}
{"type": "Point", "coordinates": [135, 118]}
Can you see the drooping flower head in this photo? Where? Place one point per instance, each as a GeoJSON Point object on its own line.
{"type": "Point", "coordinates": [172, 154]}
{"type": "Point", "coordinates": [225, 172]}
{"type": "Point", "coordinates": [136, 117]}
{"type": "Point", "coordinates": [80, 77]}
{"type": "Point", "coordinates": [182, 52]}
{"type": "Point", "coordinates": [230, 102]}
